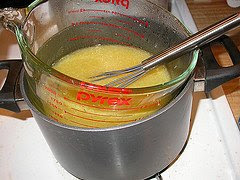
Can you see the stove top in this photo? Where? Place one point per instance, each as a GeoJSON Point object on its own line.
{"type": "Point", "coordinates": [212, 151]}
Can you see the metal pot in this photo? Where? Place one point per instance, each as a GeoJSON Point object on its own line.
{"type": "Point", "coordinates": [133, 151]}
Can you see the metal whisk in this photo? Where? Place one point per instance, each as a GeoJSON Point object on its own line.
{"type": "Point", "coordinates": [193, 42]}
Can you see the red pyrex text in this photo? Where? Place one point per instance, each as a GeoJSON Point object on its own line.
{"type": "Point", "coordinates": [83, 96]}
{"type": "Point", "coordinates": [124, 3]}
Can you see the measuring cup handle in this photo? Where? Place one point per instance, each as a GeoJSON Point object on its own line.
{"type": "Point", "coordinates": [10, 92]}
{"type": "Point", "coordinates": [216, 75]}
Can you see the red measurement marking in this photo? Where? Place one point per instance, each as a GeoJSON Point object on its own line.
{"type": "Point", "coordinates": [53, 105]}
{"type": "Point", "coordinates": [56, 114]}
{"type": "Point", "coordinates": [76, 11]}
{"type": "Point", "coordinates": [103, 115]}
{"type": "Point", "coordinates": [95, 120]}
{"type": "Point", "coordinates": [53, 118]}
{"type": "Point", "coordinates": [97, 10]}
{"type": "Point", "coordinates": [111, 90]}
{"type": "Point", "coordinates": [100, 38]}
{"type": "Point", "coordinates": [116, 109]}
{"type": "Point", "coordinates": [56, 101]}
{"type": "Point", "coordinates": [125, 22]}
{"type": "Point", "coordinates": [81, 10]}
{"type": "Point", "coordinates": [50, 90]}
{"type": "Point", "coordinates": [83, 124]}
{"type": "Point", "coordinates": [145, 23]}
{"type": "Point", "coordinates": [124, 3]}
{"type": "Point", "coordinates": [108, 25]}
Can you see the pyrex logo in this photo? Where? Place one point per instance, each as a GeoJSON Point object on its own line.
{"type": "Point", "coordinates": [124, 3]}
{"type": "Point", "coordinates": [83, 96]}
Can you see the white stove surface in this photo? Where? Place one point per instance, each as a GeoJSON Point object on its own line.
{"type": "Point", "coordinates": [212, 153]}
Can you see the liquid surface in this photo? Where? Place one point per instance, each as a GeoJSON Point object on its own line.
{"type": "Point", "coordinates": [87, 62]}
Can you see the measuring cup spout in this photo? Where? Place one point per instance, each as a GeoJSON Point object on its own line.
{"type": "Point", "coordinates": [12, 18]}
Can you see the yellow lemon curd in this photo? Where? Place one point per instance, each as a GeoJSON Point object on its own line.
{"type": "Point", "coordinates": [92, 61]}
{"type": "Point", "coordinates": [95, 109]}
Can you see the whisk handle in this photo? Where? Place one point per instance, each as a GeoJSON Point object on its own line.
{"type": "Point", "coordinates": [193, 42]}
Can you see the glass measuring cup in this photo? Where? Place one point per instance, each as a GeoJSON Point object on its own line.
{"type": "Point", "coordinates": [53, 29]}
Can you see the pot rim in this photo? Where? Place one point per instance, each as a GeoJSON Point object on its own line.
{"type": "Point", "coordinates": [114, 128]}
{"type": "Point", "coordinates": [67, 79]}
